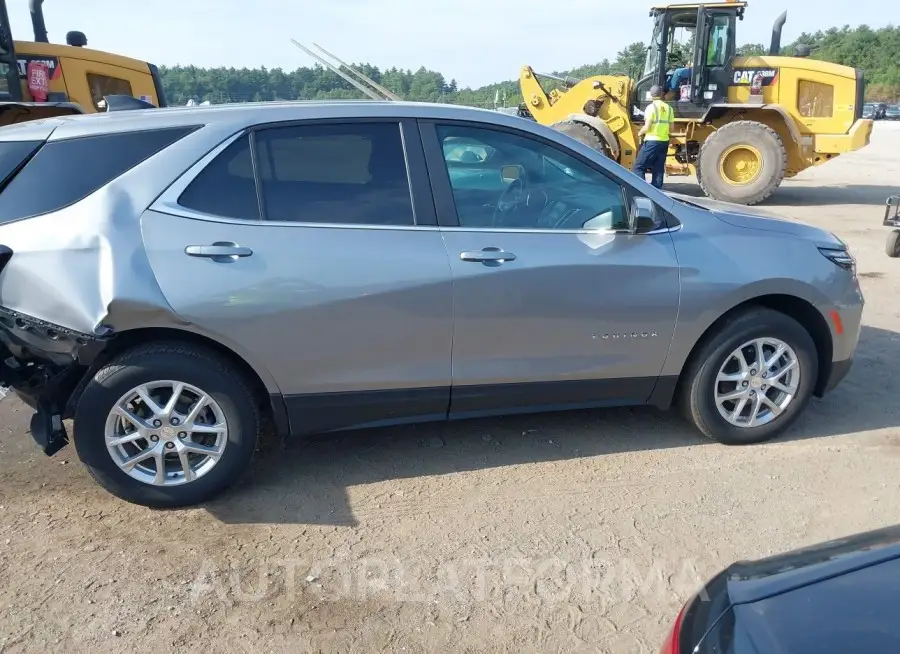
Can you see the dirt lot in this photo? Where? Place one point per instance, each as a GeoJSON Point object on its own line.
{"type": "Point", "coordinates": [570, 532]}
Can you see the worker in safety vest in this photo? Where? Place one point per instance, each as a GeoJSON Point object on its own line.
{"type": "Point", "coordinates": [658, 120]}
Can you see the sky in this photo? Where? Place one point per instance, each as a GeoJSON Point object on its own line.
{"type": "Point", "coordinates": [474, 42]}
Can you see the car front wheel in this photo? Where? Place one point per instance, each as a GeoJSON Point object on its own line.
{"type": "Point", "coordinates": [751, 379]}
{"type": "Point", "coordinates": [166, 425]}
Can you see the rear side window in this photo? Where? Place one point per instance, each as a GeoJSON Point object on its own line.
{"type": "Point", "coordinates": [64, 172]}
{"type": "Point", "coordinates": [226, 186]}
{"type": "Point", "coordinates": [351, 174]}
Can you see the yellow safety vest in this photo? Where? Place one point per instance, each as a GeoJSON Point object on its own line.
{"type": "Point", "coordinates": [660, 122]}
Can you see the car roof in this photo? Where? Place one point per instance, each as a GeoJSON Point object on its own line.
{"type": "Point", "coordinates": [245, 114]}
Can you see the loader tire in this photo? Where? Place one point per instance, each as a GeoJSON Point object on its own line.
{"type": "Point", "coordinates": [584, 134]}
{"type": "Point", "coordinates": [742, 162]}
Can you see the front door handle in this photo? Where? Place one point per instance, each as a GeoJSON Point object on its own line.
{"type": "Point", "coordinates": [220, 251]}
{"type": "Point", "coordinates": [488, 256]}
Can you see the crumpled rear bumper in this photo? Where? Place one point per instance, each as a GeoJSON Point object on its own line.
{"type": "Point", "coordinates": [44, 363]}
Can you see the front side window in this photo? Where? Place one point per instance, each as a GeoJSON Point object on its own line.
{"type": "Point", "coordinates": [527, 184]}
{"type": "Point", "coordinates": [103, 85]}
{"type": "Point", "coordinates": [335, 173]}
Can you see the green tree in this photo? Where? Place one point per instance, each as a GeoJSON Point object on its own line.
{"type": "Point", "coordinates": [875, 51]}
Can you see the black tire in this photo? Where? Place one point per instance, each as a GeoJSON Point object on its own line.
{"type": "Point", "coordinates": [699, 379]}
{"type": "Point", "coordinates": [892, 246]}
{"type": "Point", "coordinates": [584, 134]}
{"type": "Point", "coordinates": [182, 362]}
{"type": "Point", "coordinates": [771, 149]}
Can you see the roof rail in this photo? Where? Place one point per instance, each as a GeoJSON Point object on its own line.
{"type": "Point", "coordinates": [362, 83]}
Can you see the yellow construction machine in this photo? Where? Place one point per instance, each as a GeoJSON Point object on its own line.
{"type": "Point", "coordinates": [742, 124]}
{"type": "Point", "coordinates": [39, 79]}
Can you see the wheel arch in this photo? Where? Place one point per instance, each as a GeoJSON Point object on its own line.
{"type": "Point", "coordinates": [260, 382]}
{"type": "Point", "coordinates": [769, 114]}
{"type": "Point", "coordinates": [798, 308]}
{"type": "Point", "coordinates": [604, 131]}
{"type": "Point", "coordinates": [773, 116]}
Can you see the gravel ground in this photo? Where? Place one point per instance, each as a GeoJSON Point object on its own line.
{"type": "Point", "coordinates": [569, 532]}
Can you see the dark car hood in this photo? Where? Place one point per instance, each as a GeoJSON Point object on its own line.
{"type": "Point", "coordinates": [759, 219]}
{"type": "Point", "coordinates": [750, 581]}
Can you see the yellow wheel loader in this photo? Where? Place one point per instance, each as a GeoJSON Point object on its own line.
{"type": "Point", "coordinates": [742, 124]}
{"type": "Point", "coordinates": [39, 79]}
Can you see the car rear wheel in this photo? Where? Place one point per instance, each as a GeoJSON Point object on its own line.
{"type": "Point", "coordinates": [751, 379]}
{"type": "Point", "coordinates": [167, 425]}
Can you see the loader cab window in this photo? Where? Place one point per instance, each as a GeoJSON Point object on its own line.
{"type": "Point", "coordinates": [690, 57]}
{"type": "Point", "coordinates": [714, 51]}
{"type": "Point", "coordinates": [103, 85]}
{"type": "Point", "coordinates": [651, 65]}
{"type": "Point", "coordinates": [719, 41]}
{"type": "Point", "coordinates": [670, 52]}
{"type": "Point", "coordinates": [9, 70]}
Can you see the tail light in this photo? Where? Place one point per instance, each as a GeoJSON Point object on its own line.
{"type": "Point", "coordinates": [670, 644]}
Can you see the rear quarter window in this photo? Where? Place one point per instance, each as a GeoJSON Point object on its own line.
{"type": "Point", "coordinates": [12, 155]}
{"type": "Point", "coordinates": [63, 172]}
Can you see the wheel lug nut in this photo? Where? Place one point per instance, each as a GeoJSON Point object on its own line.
{"type": "Point", "coordinates": [157, 423]}
{"type": "Point", "coordinates": [745, 384]}
{"type": "Point", "coordinates": [154, 438]}
{"type": "Point", "coordinates": [763, 387]}
{"type": "Point", "coordinates": [753, 372]}
{"type": "Point", "coordinates": [169, 446]}
{"type": "Point", "coordinates": [182, 434]}
{"type": "Point", "coordinates": [174, 421]}
{"type": "Point", "coordinates": [765, 374]}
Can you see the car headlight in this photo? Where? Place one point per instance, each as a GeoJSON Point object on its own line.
{"type": "Point", "coordinates": [840, 257]}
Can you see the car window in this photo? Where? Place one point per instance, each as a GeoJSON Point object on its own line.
{"type": "Point", "coordinates": [528, 184]}
{"type": "Point", "coordinates": [348, 174]}
{"type": "Point", "coordinates": [226, 186]}
{"type": "Point", "coordinates": [50, 181]}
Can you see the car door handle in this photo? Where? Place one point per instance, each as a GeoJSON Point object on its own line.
{"type": "Point", "coordinates": [490, 255]}
{"type": "Point", "coordinates": [219, 251]}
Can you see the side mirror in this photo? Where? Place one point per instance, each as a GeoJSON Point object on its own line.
{"type": "Point", "coordinates": [641, 216]}
{"type": "Point", "coordinates": [509, 174]}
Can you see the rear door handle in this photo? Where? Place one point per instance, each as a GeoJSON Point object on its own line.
{"type": "Point", "coordinates": [488, 256]}
{"type": "Point", "coordinates": [220, 251]}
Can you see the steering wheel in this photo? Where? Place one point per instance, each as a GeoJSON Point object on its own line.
{"type": "Point", "coordinates": [513, 197]}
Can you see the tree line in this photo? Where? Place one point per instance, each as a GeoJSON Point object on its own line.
{"type": "Point", "coordinates": [876, 52]}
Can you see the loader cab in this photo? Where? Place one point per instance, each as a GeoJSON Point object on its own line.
{"type": "Point", "coordinates": [690, 55]}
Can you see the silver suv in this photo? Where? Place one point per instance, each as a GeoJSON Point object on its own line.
{"type": "Point", "coordinates": [177, 281]}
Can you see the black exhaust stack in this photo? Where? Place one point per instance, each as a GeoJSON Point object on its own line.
{"type": "Point", "coordinates": [775, 46]}
{"type": "Point", "coordinates": [37, 21]}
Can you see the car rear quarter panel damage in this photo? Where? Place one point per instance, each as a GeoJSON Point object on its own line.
{"type": "Point", "coordinates": [83, 268]}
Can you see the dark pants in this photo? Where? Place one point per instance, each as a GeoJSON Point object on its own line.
{"type": "Point", "coordinates": [652, 157]}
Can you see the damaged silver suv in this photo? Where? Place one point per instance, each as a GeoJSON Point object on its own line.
{"type": "Point", "coordinates": [178, 280]}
